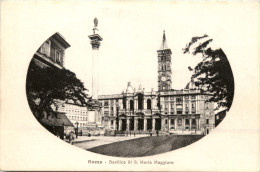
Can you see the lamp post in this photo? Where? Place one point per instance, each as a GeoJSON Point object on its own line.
{"type": "Point", "coordinates": [125, 109]}
{"type": "Point", "coordinates": [195, 125]}
{"type": "Point", "coordinates": [76, 132]}
{"type": "Point", "coordinates": [134, 103]}
{"type": "Point", "coordinates": [62, 134]}
{"type": "Point", "coordinates": [151, 101]}
{"type": "Point", "coordinates": [133, 111]}
{"type": "Point", "coordinates": [117, 118]}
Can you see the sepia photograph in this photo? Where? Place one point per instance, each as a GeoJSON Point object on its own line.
{"type": "Point", "coordinates": [137, 121]}
{"type": "Point", "coordinates": [145, 85]}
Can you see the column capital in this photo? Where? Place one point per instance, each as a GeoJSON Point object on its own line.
{"type": "Point", "coordinates": [95, 40]}
{"type": "Point", "coordinates": [95, 44]}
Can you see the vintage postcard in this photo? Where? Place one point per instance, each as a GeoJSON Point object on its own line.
{"type": "Point", "coordinates": [130, 86]}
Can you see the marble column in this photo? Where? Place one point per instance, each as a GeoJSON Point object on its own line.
{"type": "Point", "coordinates": [175, 107]}
{"type": "Point", "coordinates": [109, 123]}
{"type": "Point", "coordinates": [135, 103]}
{"type": "Point", "coordinates": [127, 124]}
{"type": "Point", "coordinates": [175, 123]}
{"type": "Point", "coordinates": [95, 42]}
{"type": "Point", "coordinates": [153, 124]}
{"type": "Point", "coordinates": [169, 123]}
{"type": "Point", "coordinates": [135, 124]}
{"type": "Point", "coordinates": [145, 124]}
{"type": "Point", "coordinates": [183, 124]}
{"type": "Point", "coordinates": [162, 124]}
{"type": "Point", "coordinates": [114, 124]}
{"type": "Point", "coordinates": [120, 124]}
{"type": "Point", "coordinates": [145, 104]}
{"type": "Point", "coordinates": [127, 104]}
{"type": "Point", "coordinates": [190, 124]}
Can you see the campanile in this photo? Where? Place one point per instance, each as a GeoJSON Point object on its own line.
{"type": "Point", "coordinates": [164, 66]}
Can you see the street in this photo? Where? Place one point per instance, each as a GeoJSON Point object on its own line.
{"type": "Point", "coordinates": [86, 142]}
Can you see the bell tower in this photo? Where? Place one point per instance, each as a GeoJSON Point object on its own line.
{"type": "Point", "coordinates": [164, 66]}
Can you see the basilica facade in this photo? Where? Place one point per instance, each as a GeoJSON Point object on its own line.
{"type": "Point", "coordinates": [184, 111]}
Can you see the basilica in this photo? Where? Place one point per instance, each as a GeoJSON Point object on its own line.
{"type": "Point", "coordinates": [184, 111]}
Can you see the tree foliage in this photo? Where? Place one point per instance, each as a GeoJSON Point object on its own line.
{"type": "Point", "coordinates": [213, 73]}
{"type": "Point", "coordinates": [44, 86]}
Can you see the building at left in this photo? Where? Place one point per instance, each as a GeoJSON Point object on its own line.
{"type": "Point", "coordinates": [51, 55]}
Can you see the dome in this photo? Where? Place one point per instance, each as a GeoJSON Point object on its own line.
{"type": "Point", "coordinates": [129, 88]}
{"type": "Point", "coordinates": [140, 89]}
{"type": "Point", "coordinates": [191, 85]}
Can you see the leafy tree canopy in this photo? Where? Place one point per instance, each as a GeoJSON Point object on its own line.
{"type": "Point", "coordinates": [213, 73]}
{"type": "Point", "coordinates": [44, 86]}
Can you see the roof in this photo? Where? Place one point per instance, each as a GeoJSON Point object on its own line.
{"type": "Point", "coordinates": [61, 40]}
{"type": "Point", "coordinates": [164, 42]}
{"type": "Point", "coordinates": [61, 120]}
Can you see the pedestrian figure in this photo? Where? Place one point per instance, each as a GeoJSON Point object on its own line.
{"type": "Point", "coordinates": [157, 133]}
{"type": "Point", "coordinates": [89, 133]}
{"type": "Point", "coordinates": [57, 134]}
{"type": "Point", "coordinates": [71, 137]}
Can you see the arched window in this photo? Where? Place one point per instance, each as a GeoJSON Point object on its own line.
{"type": "Point", "coordinates": [149, 104]}
{"type": "Point", "coordinates": [131, 105]}
{"type": "Point", "coordinates": [140, 101]}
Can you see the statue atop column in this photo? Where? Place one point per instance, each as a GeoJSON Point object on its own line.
{"type": "Point", "coordinates": [95, 38]}
{"type": "Point", "coordinates": [95, 29]}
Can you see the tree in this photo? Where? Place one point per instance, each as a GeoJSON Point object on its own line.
{"type": "Point", "coordinates": [213, 73]}
{"type": "Point", "coordinates": [44, 86]}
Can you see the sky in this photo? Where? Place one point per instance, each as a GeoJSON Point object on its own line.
{"type": "Point", "coordinates": [131, 37]}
